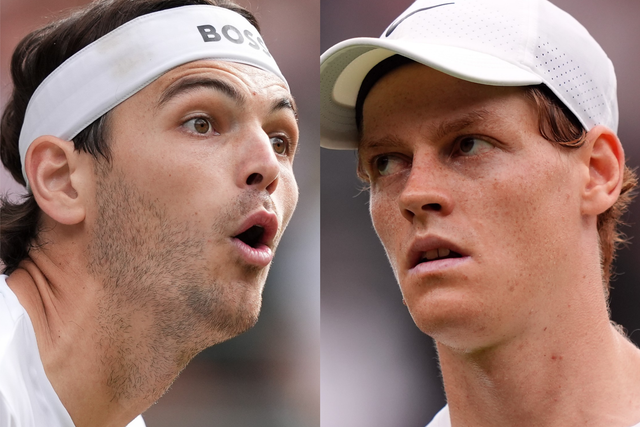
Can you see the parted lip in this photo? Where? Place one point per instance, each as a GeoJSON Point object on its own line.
{"type": "Point", "coordinates": [265, 219]}
{"type": "Point", "coordinates": [422, 244]}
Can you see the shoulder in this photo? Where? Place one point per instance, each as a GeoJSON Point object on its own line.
{"type": "Point", "coordinates": [441, 419]}
{"type": "Point", "coordinates": [26, 396]}
{"type": "Point", "coordinates": [137, 422]}
{"type": "Point", "coordinates": [13, 318]}
{"type": "Point", "coordinates": [14, 408]}
{"type": "Point", "coordinates": [11, 311]}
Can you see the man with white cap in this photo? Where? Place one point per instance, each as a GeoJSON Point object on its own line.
{"type": "Point", "coordinates": [486, 130]}
{"type": "Point", "coordinates": [156, 138]}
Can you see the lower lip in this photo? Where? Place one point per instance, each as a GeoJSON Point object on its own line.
{"type": "Point", "coordinates": [260, 256]}
{"type": "Point", "coordinates": [438, 266]}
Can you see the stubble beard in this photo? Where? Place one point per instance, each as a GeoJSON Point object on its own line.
{"type": "Point", "coordinates": [155, 275]}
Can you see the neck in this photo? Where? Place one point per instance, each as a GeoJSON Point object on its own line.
{"type": "Point", "coordinates": [107, 361]}
{"type": "Point", "coordinates": [572, 371]}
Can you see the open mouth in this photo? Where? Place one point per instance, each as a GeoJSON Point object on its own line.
{"type": "Point", "coordinates": [252, 236]}
{"type": "Point", "coordinates": [437, 254]}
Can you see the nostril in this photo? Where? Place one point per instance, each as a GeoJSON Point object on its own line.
{"type": "Point", "coordinates": [254, 179]}
{"type": "Point", "coordinates": [432, 207]}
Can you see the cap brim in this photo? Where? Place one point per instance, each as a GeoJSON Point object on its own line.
{"type": "Point", "coordinates": [344, 67]}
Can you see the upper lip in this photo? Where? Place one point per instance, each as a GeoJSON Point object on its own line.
{"type": "Point", "coordinates": [265, 219]}
{"type": "Point", "coordinates": [422, 244]}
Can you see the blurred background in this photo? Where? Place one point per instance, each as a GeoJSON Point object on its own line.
{"type": "Point", "coordinates": [378, 369]}
{"type": "Point", "coordinates": [270, 375]}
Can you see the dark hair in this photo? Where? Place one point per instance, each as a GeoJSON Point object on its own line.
{"type": "Point", "coordinates": [37, 56]}
{"type": "Point", "coordinates": [558, 125]}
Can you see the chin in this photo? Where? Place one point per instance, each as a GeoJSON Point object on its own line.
{"type": "Point", "coordinates": [219, 311]}
{"type": "Point", "coordinates": [453, 322]}
{"type": "Point", "coordinates": [246, 313]}
{"type": "Point", "coordinates": [246, 316]}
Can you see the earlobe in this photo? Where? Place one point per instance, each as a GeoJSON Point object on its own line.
{"type": "Point", "coordinates": [605, 158]}
{"type": "Point", "coordinates": [50, 163]}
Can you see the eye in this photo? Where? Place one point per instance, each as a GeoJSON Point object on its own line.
{"type": "Point", "coordinates": [387, 164]}
{"type": "Point", "coordinates": [472, 146]}
{"type": "Point", "coordinates": [279, 145]}
{"type": "Point", "coordinates": [199, 125]}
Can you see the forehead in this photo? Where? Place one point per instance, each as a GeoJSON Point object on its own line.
{"type": "Point", "coordinates": [414, 78]}
{"type": "Point", "coordinates": [419, 94]}
{"type": "Point", "coordinates": [245, 80]}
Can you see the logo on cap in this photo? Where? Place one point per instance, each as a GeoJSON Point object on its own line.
{"type": "Point", "coordinates": [395, 24]}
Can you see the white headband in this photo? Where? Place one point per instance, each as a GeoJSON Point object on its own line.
{"type": "Point", "coordinates": [121, 63]}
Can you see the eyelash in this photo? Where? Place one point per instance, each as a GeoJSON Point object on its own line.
{"type": "Point", "coordinates": [287, 144]}
{"type": "Point", "coordinates": [284, 138]}
{"type": "Point", "coordinates": [456, 152]}
{"type": "Point", "coordinates": [457, 146]}
{"type": "Point", "coordinates": [374, 170]}
{"type": "Point", "coordinates": [209, 121]}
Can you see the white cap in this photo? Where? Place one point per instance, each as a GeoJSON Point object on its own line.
{"type": "Point", "coordinates": [491, 42]}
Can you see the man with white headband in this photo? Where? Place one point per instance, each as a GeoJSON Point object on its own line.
{"type": "Point", "coordinates": [156, 138]}
{"type": "Point", "coordinates": [486, 131]}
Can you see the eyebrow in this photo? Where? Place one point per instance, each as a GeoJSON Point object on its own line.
{"type": "Point", "coordinates": [460, 123]}
{"type": "Point", "coordinates": [195, 83]}
{"type": "Point", "coordinates": [285, 103]}
{"type": "Point", "coordinates": [389, 141]}
{"type": "Point", "coordinates": [443, 129]}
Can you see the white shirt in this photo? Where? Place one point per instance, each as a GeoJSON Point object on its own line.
{"type": "Point", "coordinates": [27, 398]}
{"type": "Point", "coordinates": [442, 419]}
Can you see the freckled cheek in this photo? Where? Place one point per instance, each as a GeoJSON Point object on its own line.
{"type": "Point", "coordinates": [528, 215]}
{"type": "Point", "coordinates": [387, 221]}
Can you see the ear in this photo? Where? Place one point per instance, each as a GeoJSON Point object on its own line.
{"type": "Point", "coordinates": [605, 159]}
{"type": "Point", "coordinates": [50, 164]}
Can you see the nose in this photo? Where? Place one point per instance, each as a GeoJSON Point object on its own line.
{"type": "Point", "coordinates": [259, 165]}
{"type": "Point", "coordinates": [426, 192]}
